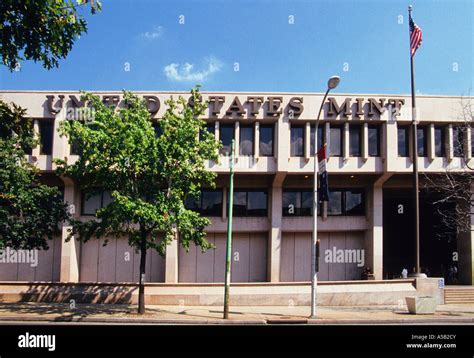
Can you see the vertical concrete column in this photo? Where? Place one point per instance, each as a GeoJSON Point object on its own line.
{"type": "Point", "coordinates": [282, 145]}
{"type": "Point", "coordinates": [345, 142]}
{"type": "Point", "coordinates": [171, 262]}
{"type": "Point", "coordinates": [256, 140]}
{"type": "Point", "coordinates": [431, 142]}
{"type": "Point", "coordinates": [450, 143]}
{"type": "Point", "coordinates": [374, 236]}
{"type": "Point", "coordinates": [307, 142]}
{"type": "Point", "coordinates": [275, 234]}
{"type": "Point", "coordinates": [365, 141]}
{"type": "Point", "coordinates": [390, 143]}
{"type": "Point", "coordinates": [467, 143]}
{"type": "Point", "coordinates": [216, 130]}
{"type": "Point", "coordinates": [36, 151]}
{"type": "Point", "coordinates": [327, 135]}
{"type": "Point", "coordinates": [60, 144]}
{"type": "Point", "coordinates": [237, 138]}
{"type": "Point", "coordinates": [70, 250]}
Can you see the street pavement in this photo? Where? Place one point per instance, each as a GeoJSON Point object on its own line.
{"type": "Point", "coordinates": [29, 313]}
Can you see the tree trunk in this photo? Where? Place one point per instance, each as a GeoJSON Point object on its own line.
{"type": "Point", "coordinates": [141, 285]}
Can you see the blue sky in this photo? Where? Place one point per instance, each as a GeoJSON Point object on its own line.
{"type": "Point", "coordinates": [364, 42]}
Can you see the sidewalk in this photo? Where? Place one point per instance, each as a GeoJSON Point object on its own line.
{"type": "Point", "coordinates": [103, 313]}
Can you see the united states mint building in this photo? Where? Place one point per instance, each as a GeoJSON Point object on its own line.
{"type": "Point", "coordinates": [368, 221]}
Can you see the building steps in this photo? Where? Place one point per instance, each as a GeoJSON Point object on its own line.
{"type": "Point", "coordinates": [459, 294]}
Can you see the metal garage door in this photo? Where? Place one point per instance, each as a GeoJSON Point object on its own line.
{"type": "Point", "coordinates": [296, 256]}
{"type": "Point", "coordinates": [249, 260]}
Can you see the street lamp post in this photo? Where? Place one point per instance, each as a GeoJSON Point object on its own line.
{"type": "Point", "coordinates": [332, 83]}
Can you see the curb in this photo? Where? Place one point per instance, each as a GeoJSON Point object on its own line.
{"type": "Point", "coordinates": [129, 320]}
{"type": "Point", "coordinates": [322, 321]}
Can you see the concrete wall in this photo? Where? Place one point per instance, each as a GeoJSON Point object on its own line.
{"type": "Point", "coordinates": [47, 269]}
{"type": "Point", "coordinates": [117, 262]}
{"type": "Point", "coordinates": [249, 264]}
{"type": "Point", "coordinates": [296, 256]}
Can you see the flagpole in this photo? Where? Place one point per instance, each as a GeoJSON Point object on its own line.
{"type": "Point", "coordinates": [416, 198]}
{"type": "Point", "coordinates": [229, 234]}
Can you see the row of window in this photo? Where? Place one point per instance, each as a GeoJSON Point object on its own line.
{"type": "Point", "coordinates": [255, 202]}
{"type": "Point", "coordinates": [439, 141]}
{"type": "Point", "coordinates": [336, 140]}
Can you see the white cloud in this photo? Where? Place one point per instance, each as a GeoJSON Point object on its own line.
{"type": "Point", "coordinates": [156, 33]}
{"type": "Point", "coordinates": [185, 73]}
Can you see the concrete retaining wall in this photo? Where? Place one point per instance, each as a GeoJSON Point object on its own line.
{"type": "Point", "coordinates": [350, 293]}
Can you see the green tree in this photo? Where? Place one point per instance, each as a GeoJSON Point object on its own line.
{"type": "Point", "coordinates": [30, 212]}
{"type": "Point", "coordinates": [149, 176]}
{"type": "Point", "coordinates": [40, 30]}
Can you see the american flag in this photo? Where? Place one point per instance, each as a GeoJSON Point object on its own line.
{"type": "Point", "coordinates": [415, 37]}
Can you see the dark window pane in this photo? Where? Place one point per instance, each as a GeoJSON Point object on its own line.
{"type": "Point", "coordinates": [335, 203]}
{"type": "Point", "coordinates": [320, 138]}
{"type": "Point", "coordinates": [226, 133]}
{"type": "Point", "coordinates": [157, 128]}
{"type": "Point", "coordinates": [439, 141]}
{"type": "Point", "coordinates": [422, 143]}
{"type": "Point", "coordinates": [210, 127]}
{"type": "Point", "coordinates": [354, 141]}
{"type": "Point", "coordinates": [458, 141]}
{"type": "Point", "coordinates": [374, 141]}
{"type": "Point", "coordinates": [335, 141]}
{"type": "Point", "coordinates": [354, 203]}
{"type": "Point", "coordinates": [257, 203]}
{"type": "Point", "coordinates": [92, 204]}
{"type": "Point", "coordinates": [246, 140]}
{"type": "Point", "coordinates": [240, 203]}
{"type": "Point", "coordinates": [192, 203]}
{"type": "Point", "coordinates": [306, 203]}
{"type": "Point", "coordinates": [106, 198]}
{"type": "Point", "coordinates": [211, 203]}
{"type": "Point", "coordinates": [297, 141]}
{"type": "Point", "coordinates": [46, 134]}
{"type": "Point", "coordinates": [75, 147]}
{"type": "Point", "coordinates": [403, 142]}
{"type": "Point", "coordinates": [266, 140]}
{"type": "Point", "coordinates": [291, 203]}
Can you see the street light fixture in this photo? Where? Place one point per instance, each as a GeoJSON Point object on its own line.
{"type": "Point", "coordinates": [333, 82]}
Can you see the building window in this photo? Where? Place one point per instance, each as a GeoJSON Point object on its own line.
{"type": "Point", "coordinates": [346, 202]}
{"type": "Point", "coordinates": [246, 140]}
{"type": "Point", "coordinates": [320, 138]}
{"type": "Point", "coordinates": [374, 141]}
{"type": "Point", "coordinates": [297, 141]}
{"type": "Point", "coordinates": [458, 141]}
{"type": "Point", "coordinates": [354, 140]}
{"type": "Point", "coordinates": [403, 141]}
{"type": "Point", "coordinates": [92, 204]}
{"type": "Point", "coordinates": [297, 203]}
{"type": "Point", "coordinates": [208, 204]}
{"type": "Point", "coordinates": [157, 128]}
{"type": "Point", "coordinates": [335, 141]}
{"type": "Point", "coordinates": [354, 202]}
{"type": "Point", "coordinates": [226, 134]}
{"type": "Point", "coordinates": [250, 203]}
{"type": "Point", "coordinates": [439, 141]}
{"type": "Point", "coordinates": [46, 129]}
{"type": "Point", "coordinates": [210, 127]}
{"type": "Point", "coordinates": [266, 140]}
{"type": "Point", "coordinates": [421, 141]}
